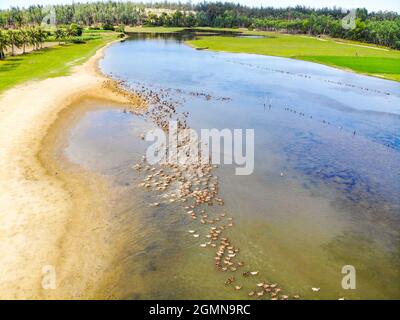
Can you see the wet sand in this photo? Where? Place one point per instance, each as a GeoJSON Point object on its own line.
{"type": "Point", "coordinates": [45, 213]}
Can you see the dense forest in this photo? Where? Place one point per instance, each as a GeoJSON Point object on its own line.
{"type": "Point", "coordinates": [382, 28]}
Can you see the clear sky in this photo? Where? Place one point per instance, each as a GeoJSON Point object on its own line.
{"type": "Point", "coordinates": [371, 5]}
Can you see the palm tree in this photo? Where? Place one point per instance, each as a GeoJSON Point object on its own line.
{"type": "Point", "coordinates": [69, 34]}
{"type": "Point", "coordinates": [14, 40]}
{"type": "Point", "coordinates": [41, 37]}
{"type": "Point", "coordinates": [33, 38]}
{"type": "Point", "coordinates": [25, 39]}
{"type": "Point", "coordinates": [59, 34]}
{"type": "Point", "coordinates": [3, 44]}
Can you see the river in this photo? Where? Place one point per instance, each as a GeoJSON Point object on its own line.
{"type": "Point", "coordinates": [325, 191]}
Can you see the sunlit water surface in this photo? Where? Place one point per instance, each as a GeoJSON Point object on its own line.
{"type": "Point", "coordinates": [325, 191]}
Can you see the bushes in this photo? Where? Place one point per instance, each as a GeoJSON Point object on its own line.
{"type": "Point", "coordinates": [75, 30]}
{"type": "Point", "coordinates": [108, 26]}
{"type": "Point", "coordinates": [120, 28]}
{"type": "Point", "coordinates": [73, 34]}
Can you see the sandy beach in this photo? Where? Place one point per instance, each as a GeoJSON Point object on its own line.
{"type": "Point", "coordinates": [44, 214]}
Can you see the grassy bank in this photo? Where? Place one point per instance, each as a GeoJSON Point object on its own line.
{"type": "Point", "coordinates": [177, 29]}
{"type": "Point", "coordinates": [49, 62]}
{"type": "Point", "coordinates": [153, 29]}
{"type": "Point", "coordinates": [357, 57]}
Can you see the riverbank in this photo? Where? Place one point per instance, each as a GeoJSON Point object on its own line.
{"type": "Point", "coordinates": [350, 56]}
{"type": "Point", "coordinates": [50, 62]}
{"type": "Point", "coordinates": [42, 211]}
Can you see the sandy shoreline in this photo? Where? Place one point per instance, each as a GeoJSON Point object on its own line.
{"type": "Point", "coordinates": [45, 214]}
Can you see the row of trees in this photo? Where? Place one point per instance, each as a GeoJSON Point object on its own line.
{"type": "Point", "coordinates": [375, 27]}
{"type": "Point", "coordinates": [386, 32]}
{"type": "Point", "coordinates": [13, 39]}
{"type": "Point", "coordinates": [68, 33]}
{"type": "Point", "coordinates": [132, 13]}
{"type": "Point", "coordinates": [22, 38]}
{"type": "Point", "coordinates": [372, 30]}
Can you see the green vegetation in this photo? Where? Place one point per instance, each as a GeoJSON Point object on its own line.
{"type": "Point", "coordinates": [358, 57]}
{"type": "Point", "coordinates": [20, 38]}
{"type": "Point", "coordinates": [153, 29]}
{"type": "Point", "coordinates": [162, 29]}
{"type": "Point", "coordinates": [309, 29]}
{"type": "Point", "coordinates": [386, 32]}
{"type": "Point", "coordinates": [49, 62]}
{"type": "Point", "coordinates": [36, 36]}
{"type": "Point", "coordinates": [381, 28]}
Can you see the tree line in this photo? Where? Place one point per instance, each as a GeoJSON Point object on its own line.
{"type": "Point", "coordinates": [21, 38]}
{"type": "Point", "coordinates": [381, 28]}
{"type": "Point", "coordinates": [35, 37]}
{"type": "Point", "coordinates": [385, 32]}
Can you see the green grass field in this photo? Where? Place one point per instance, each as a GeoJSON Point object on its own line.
{"type": "Point", "coordinates": [357, 57]}
{"type": "Point", "coordinates": [48, 63]}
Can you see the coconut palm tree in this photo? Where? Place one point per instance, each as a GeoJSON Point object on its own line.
{"type": "Point", "coordinates": [41, 37]}
{"type": "Point", "coordinates": [59, 34]}
{"type": "Point", "coordinates": [14, 40]}
{"type": "Point", "coordinates": [3, 44]}
{"type": "Point", "coordinates": [33, 38]}
{"type": "Point", "coordinates": [25, 39]}
{"type": "Point", "coordinates": [69, 33]}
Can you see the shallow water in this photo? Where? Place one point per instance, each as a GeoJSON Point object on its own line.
{"type": "Point", "coordinates": [333, 135]}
